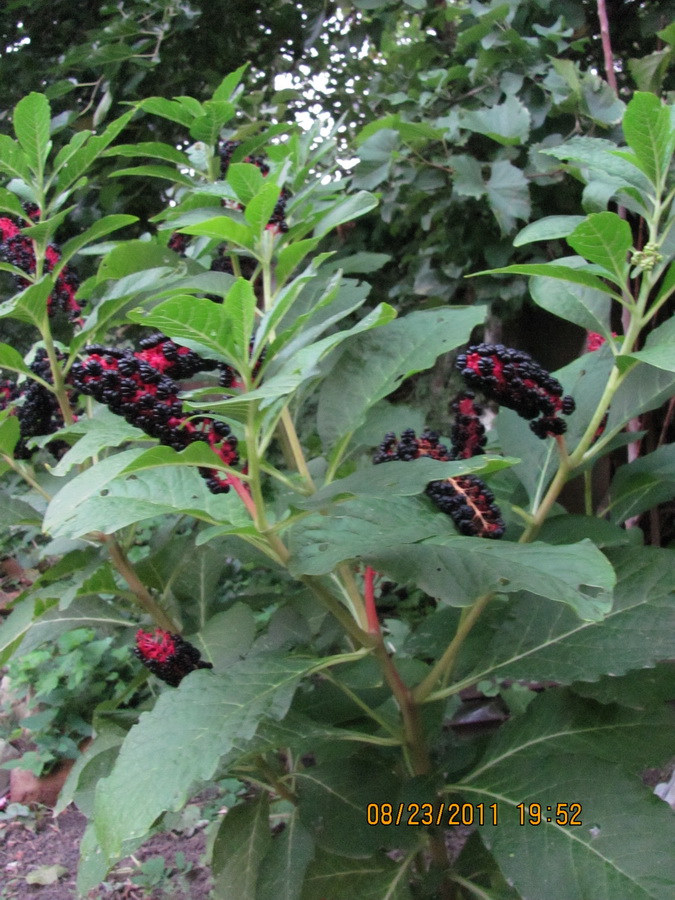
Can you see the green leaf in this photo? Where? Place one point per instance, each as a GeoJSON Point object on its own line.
{"type": "Point", "coordinates": [345, 211]}
{"type": "Point", "coordinates": [649, 71]}
{"type": "Point", "coordinates": [533, 753]}
{"type": "Point", "coordinates": [98, 230]}
{"type": "Point", "coordinates": [508, 194]}
{"type": "Point", "coordinates": [659, 349]}
{"type": "Point", "coordinates": [167, 109]}
{"type": "Point", "coordinates": [206, 127]}
{"type": "Point", "coordinates": [227, 636]}
{"type": "Point", "coordinates": [604, 238]}
{"type": "Point", "coordinates": [648, 130]}
{"type": "Point", "coordinates": [30, 305]}
{"type": "Point", "coordinates": [259, 210]}
{"type": "Point", "coordinates": [333, 804]}
{"type": "Point", "coordinates": [96, 434]}
{"type": "Point", "coordinates": [467, 177]}
{"type": "Point", "coordinates": [246, 180]}
{"type": "Point", "coordinates": [401, 479]}
{"type": "Point", "coordinates": [161, 762]}
{"type": "Point", "coordinates": [10, 431]}
{"type": "Point", "coordinates": [153, 149]}
{"type": "Point", "coordinates": [585, 306]}
{"type": "Point", "coordinates": [645, 387]}
{"type": "Point", "coordinates": [12, 360]}
{"type": "Point", "coordinates": [643, 484]}
{"type": "Point", "coordinates": [31, 120]}
{"type": "Point", "coordinates": [13, 160]}
{"type": "Point", "coordinates": [507, 123]}
{"type": "Point", "coordinates": [45, 875]}
{"type": "Point", "coordinates": [223, 228]}
{"type": "Point", "coordinates": [291, 256]}
{"type": "Point", "coordinates": [375, 878]}
{"type": "Point", "coordinates": [79, 158]}
{"type": "Point", "coordinates": [465, 568]}
{"type": "Point", "coordinates": [285, 863]}
{"type": "Point", "coordinates": [537, 641]}
{"type": "Point", "coordinates": [547, 229]}
{"type": "Point", "coordinates": [196, 322]}
{"type": "Point", "coordinates": [373, 365]}
{"type": "Point", "coordinates": [10, 202]}
{"type": "Point", "coordinates": [241, 843]}
{"type": "Point", "coordinates": [552, 270]}
{"type": "Point", "coordinates": [601, 157]}
{"type": "Point", "coordinates": [153, 171]}
{"type": "Point", "coordinates": [229, 84]}
{"type": "Point", "coordinates": [240, 309]}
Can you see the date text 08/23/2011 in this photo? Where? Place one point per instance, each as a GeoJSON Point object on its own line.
{"type": "Point", "coordinates": [451, 814]}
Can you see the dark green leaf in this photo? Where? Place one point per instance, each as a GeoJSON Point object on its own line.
{"type": "Point", "coordinates": [285, 863]}
{"type": "Point", "coordinates": [643, 484]}
{"type": "Point", "coordinates": [242, 841]}
{"type": "Point", "coordinates": [31, 125]}
{"type": "Point", "coordinates": [507, 123]}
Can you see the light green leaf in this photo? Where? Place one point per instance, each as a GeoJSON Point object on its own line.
{"type": "Point", "coordinates": [553, 270]}
{"type": "Point", "coordinates": [223, 228]}
{"type": "Point", "coordinates": [246, 180]}
{"type": "Point", "coordinates": [103, 431]}
{"type": "Point", "coordinates": [167, 109]}
{"type": "Point", "coordinates": [154, 171]}
{"type": "Point", "coordinates": [10, 202]}
{"type": "Point", "coordinates": [350, 208]}
{"type": "Point", "coordinates": [160, 761]}
{"type": "Point", "coordinates": [45, 875]}
{"type": "Point", "coordinates": [78, 158]}
{"type": "Point", "coordinates": [291, 256]}
{"type": "Point", "coordinates": [648, 130]}
{"type": "Point", "coordinates": [467, 177]}
{"type": "Point", "coordinates": [12, 360]}
{"type": "Point", "coordinates": [507, 123]}
{"type": "Point", "coordinates": [600, 155]}
{"type": "Point", "coordinates": [229, 84]}
{"type": "Point", "coordinates": [645, 387]}
{"type": "Point", "coordinates": [153, 149]}
{"type": "Point", "coordinates": [240, 309]}
{"type": "Point", "coordinates": [659, 350]}
{"type": "Point", "coordinates": [31, 125]}
{"type": "Point", "coordinates": [373, 365]}
{"type": "Point", "coordinates": [547, 229]}
{"type": "Point", "coordinates": [643, 484]}
{"type": "Point", "coordinates": [259, 210]}
{"type": "Point", "coordinates": [13, 160]}
{"type": "Point", "coordinates": [10, 431]}
{"type": "Point", "coordinates": [242, 841]}
{"type": "Point", "coordinates": [196, 322]}
{"type": "Point", "coordinates": [206, 127]}
{"type": "Point", "coordinates": [585, 306]}
{"type": "Point", "coordinates": [285, 863]}
{"type": "Point", "coordinates": [30, 305]}
{"type": "Point", "coordinates": [508, 194]}
{"type": "Point", "coordinates": [604, 238]}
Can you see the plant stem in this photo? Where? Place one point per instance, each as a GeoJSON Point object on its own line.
{"type": "Point", "coordinates": [444, 665]}
{"type": "Point", "coordinates": [145, 599]}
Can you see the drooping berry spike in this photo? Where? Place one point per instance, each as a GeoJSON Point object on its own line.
{"type": "Point", "coordinates": [468, 432]}
{"type": "Point", "coordinates": [38, 410]}
{"type": "Point", "coordinates": [168, 656]}
{"type": "Point", "coordinates": [410, 447]}
{"type": "Point", "coordinates": [171, 359]}
{"type": "Point", "coordinates": [133, 388]}
{"type": "Point", "coordinates": [18, 249]}
{"type": "Point", "coordinates": [465, 498]}
{"type": "Point", "coordinates": [512, 378]}
{"type": "Point", "coordinates": [469, 503]}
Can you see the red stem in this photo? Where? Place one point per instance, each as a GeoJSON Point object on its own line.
{"type": "Point", "coordinates": [243, 493]}
{"type": "Point", "coordinates": [607, 45]}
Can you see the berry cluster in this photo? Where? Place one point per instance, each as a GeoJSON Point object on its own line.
{"type": "Point", "coordinates": [37, 408]}
{"type": "Point", "coordinates": [468, 432]}
{"type": "Point", "coordinates": [18, 249]}
{"type": "Point", "coordinates": [131, 387]}
{"type": "Point", "coordinates": [168, 656]}
{"type": "Point", "coordinates": [172, 359]}
{"type": "Point", "coordinates": [465, 498]}
{"type": "Point", "coordinates": [410, 447]}
{"type": "Point", "coordinates": [512, 378]}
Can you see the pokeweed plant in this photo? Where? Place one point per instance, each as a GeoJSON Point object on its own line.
{"type": "Point", "coordinates": [340, 723]}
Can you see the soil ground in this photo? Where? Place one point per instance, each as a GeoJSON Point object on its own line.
{"type": "Point", "coordinates": [26, 846]}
